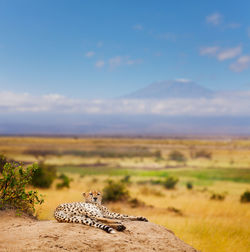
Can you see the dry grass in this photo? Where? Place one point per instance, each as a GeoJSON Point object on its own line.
{"type": "Point", "coordinates": [233, 153]}
{"type": "Point", "coordinates": [206, 224]}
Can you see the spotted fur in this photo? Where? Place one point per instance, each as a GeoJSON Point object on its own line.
{"type": "Point", "coordinates": [92, 213]}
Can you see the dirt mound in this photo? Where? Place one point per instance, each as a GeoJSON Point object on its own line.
{"type": "Point", "coordinates": [26, 234]}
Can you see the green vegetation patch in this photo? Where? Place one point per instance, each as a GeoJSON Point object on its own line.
{"type": "Point", "coordinates": [13, 193]}
{"type": "Point", "coordinates": [99, 152]}
{"type": "Point", "coordinates": [229, 174]}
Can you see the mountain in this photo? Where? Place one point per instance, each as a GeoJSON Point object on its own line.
{"type": "Point", "coordinates": [125, 125]}
{"type": "Point", "coordinates": [171, 89]}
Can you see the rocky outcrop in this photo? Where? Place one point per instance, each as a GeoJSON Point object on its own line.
{"type": "Point", "coordinates": [27, 234]}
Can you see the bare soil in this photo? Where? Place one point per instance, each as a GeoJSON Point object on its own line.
{"type": "Point", "coordinates": [28, 234]}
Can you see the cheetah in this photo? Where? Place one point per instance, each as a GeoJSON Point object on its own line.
{"type": "Point", "coordinates": [93, 213]}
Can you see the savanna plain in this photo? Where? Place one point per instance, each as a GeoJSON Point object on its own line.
{"type": "Point", "coordinates": [202, 205]}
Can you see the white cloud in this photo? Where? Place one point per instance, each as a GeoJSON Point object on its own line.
{"type": "Point", "coordinates": [227, 104]}
{"type": "Point", "coordinates": [220, 53]}
{"type": "Point", "coordinates": [99, 63]}
{"type": "Point", "coordinates": [90, 54]}
{"type": "Point", "coordinates": [214, 19]}
{"type": "Point", "coordinates": [129, 61]}
{"type": "Point", "coordinates": [184, 80]}
{"type": "Point", "coordinates": [138, 27]}
{"type": "Point", "coordinates": [241, 64]}
{"type": "Point", "coordinates": [209, 50]}
{"type": "Point", "coordinates": [229, 53]}
{"type": "Point", "coordinates": [234, 25]}
{"type": "Point", "coordinates": [115, 61]}
{"type": "Point", "coordinates": [119, 61]}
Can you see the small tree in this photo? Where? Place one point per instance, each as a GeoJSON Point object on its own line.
{"type": "Point", "coordinates": [115, 191]}
{"type": "Point", "coordinates": [177, 156]}
{"type": "Point", "coordinates": [12, 188]}
{"type": "Point", "coordinates": [203, 154]}
{"type": "Point", "coordinates": [245, 197]}
{"type": "Point", "coordinates": [126, 179]}
{"type": "Point", "coordinates": [65, 181]}
{"type": "Point", "coordinates": [189, 185]}
{"type": "Point", "coordinates": [43, 176]}
{"type": "Point", "coordinates": [3, 161]}
{"type": "Point", "coordinates": [170, 182]}
{"type": "Point", "coordinates": [158, 156]}
{"type": "Point", "coordinates": [218, 196]}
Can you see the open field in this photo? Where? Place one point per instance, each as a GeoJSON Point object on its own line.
{"type": "Point", "coordinates": [208, 225]}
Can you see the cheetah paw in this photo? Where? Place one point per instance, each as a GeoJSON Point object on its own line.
{"type": "Point", "coordinates": [120, 227]}
{"type": "Point", "coordinates": [142, 219]}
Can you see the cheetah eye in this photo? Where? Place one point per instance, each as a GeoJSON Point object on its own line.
{"type": "Point", "coordinates": [98, 193]}
{"type": "Point", "coordinates": [90, 194]}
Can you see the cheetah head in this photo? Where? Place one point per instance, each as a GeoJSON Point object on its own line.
{"type": "Point", "coordinates": [93, 197]}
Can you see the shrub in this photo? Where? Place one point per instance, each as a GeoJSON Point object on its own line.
{"type": "Point", "coordinates": [203, 154]}
{"type": "Point", "coordinates": [65, 181]}
{"type": "Point", "coordinates": [37, 153]}
{"type": "Point", "coordinates": [158, 156]}
{"type": "Point", "coordinates": [12, 188]}
{"type": "Point", "coordinates": [112, 153]}
{"type": "Point", "coordinates": [115, 191]}
{"type": "Point", "coordinates": [126, 179]}
{"type": "Point", "coordinates": [217, 196]}
{"type": "Point", "coordinates": [176, 156]}
{"type": "Point", "coordinates": [189, 185]}
{"type": "Point", "coordinates": [135, 203]}
{"type": "Point", "coordinates": [155, 181]}
{"type": "Point", "coordinates": [43, 176]}
{"type": "Point", "coordinates": [245, 197]}
{"type": "Point", "coordinates": [94, 180]}
{"type": "Point", "coordinates": [145, 190]}
{"type": "Point", "coordinates": [175, 210]}
{"type": "Point", "coordinates": [3, 161]}
{"type": "Point", "coordinates": [170, 182]}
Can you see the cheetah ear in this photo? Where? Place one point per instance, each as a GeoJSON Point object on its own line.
{"type": "Point", "coordinates": [84, 194]}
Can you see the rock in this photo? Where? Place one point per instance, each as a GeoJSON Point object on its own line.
{"type": "Point", "coordinates": [27, 234]}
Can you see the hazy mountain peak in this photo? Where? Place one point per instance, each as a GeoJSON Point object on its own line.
{"type": "Point", "coordinates": [179, 88]}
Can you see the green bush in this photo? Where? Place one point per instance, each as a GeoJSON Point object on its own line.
{"type": "Point", "coordinates": [115, 191]}
{"type": "Point", "coordinates": [126, 179]}
{"type": "Point", "coordinates": [245, 197]}
{"type": "Point", "coordinates": [3, 161]}
{"type": "Point", "coordinates": [43, 176]}
{"type": "Point", "coordinates": [155, 181]}
{"type": "Point", "coordinates": [170, 182]}
{"type": "Point", "coordinates": [134, 202]}
{"type": "Point", "coordinates": [40, 153]}
{"type": "Point", "coordinates": [177, 156]}
{"type": "Point", "coordinates": [175, 210]}
{"type": "Point", "coordinates": [111, 152]}
{"type": "Point", "coordinates": [158, 156]}
{"type": "Point", "coordinates": [189, 185]}
{"type": "Point", "coordinates": [65, 181]}
{"type": "Point", "coordinates": [12, 188]}
{"type": "Point", "coordinates": [217, 196]}
{"type": "Point", "coordinates": [203, 154]}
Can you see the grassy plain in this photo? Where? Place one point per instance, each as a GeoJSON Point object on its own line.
{"type": "Point", "coordinates": [208, 225]}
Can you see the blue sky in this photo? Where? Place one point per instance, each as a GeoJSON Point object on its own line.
{"type": "Point", "coordinates": [105, 49]}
